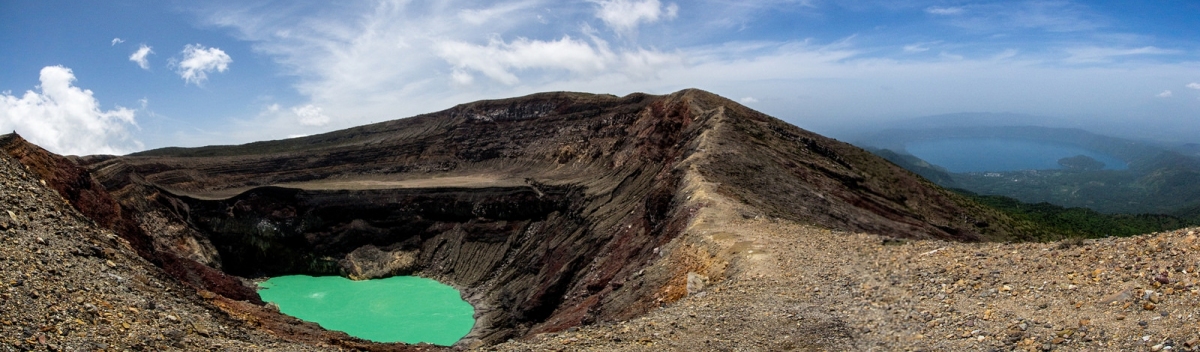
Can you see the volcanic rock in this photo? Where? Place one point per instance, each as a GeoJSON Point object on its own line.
{"type": "Point", "coordinates": [549, 212]}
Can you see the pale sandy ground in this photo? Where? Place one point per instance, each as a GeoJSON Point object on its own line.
{"type": "Point", "coordinates": [472, 181]}
{"type": "Point", "coordinates": [367, 183]}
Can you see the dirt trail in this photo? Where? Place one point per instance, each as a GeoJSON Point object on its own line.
{"type": "Point", "coordinates": [790, 286]}
{"type": "Point", "coordinates": [840, 291]}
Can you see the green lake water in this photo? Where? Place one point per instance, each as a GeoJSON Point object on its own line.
{"type": "Point", "coordinates": [396, 309]}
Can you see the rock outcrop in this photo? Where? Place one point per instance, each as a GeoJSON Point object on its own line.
{"type": "Point", "coordinates": [67, 284]}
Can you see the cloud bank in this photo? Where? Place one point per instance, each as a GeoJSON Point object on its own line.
{"type": "Point", "coordinates": [198, 61]}
{"type": "Point", "coordinates": [66, 119]}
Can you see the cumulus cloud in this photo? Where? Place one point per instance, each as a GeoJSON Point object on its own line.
{"type": "Point", "coordinates": [116, 41]}
{"type": "Point", "coordinates": [198, 61]}
{"type": "Point", "coordinates": [66, 119]}
{"type": "Point", "coordinates": [1194, 85]}
{"type": "Point", "coordinates": [139, 57]}
{"type": "Point", "coordinates": [310, 115]}
{"type": "Point", "coordinates": [1165, 94]}
{"type": "Point", "coordinates": [749, 100]}
{"type": "Point", "coordinates": [623, 16]}
{"type": "Point", "coordinates": [934, 10]}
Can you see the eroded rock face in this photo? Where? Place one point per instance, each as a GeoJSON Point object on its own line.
{"type": "Point", "coordinates": [547, 211]}
{"type": "Point", "coordinates": [370, 262]}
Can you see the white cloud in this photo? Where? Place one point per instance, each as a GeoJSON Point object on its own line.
{"type": "Point", "coordinates": [919, 47]}
{"type": "Point", "coordinates": [1194, 85]}
{"type": "Point", "coordinates": [749, 100]}
{"type": "Point", "coordinates": [623, 16]}
{"type": "Point", "coordinates": [500, 11]}
{"type": "Point", "coordinates": [116, 41]}
{"type": "Point", "coordinates": [310, 115]}
{"type": "Point", "coordinates": [198, 61]}
{"type": "Point", "coordinates": [944, 10]}
{"type": "Point", "coordinates": [462, 78]}
{"type": "Point", "coordinates": [375, 61]}
{"type": "Point", "coordinates": [1009, 16]}
{"type": "Point", "coordinates": [1165, 94]}
{"type": "Point", "coordinates": [498, 59]}
{"type": "Point", "coordinates": [643, 64]}
{"type": "Point", "coordinates": [139, 57]}
{"type": "Point", "coordinates": [1094, 54]}
{"type": "Point", "coordinates": [66, 119]}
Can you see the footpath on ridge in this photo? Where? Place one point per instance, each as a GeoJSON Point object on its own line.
{"type": "Point", "coordinates": [791, 286]}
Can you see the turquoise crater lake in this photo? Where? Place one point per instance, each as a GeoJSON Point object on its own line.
{"type": "Point", "coordinates": [406, 309]}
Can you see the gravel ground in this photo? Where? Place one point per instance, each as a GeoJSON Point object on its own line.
{"type": "Point", "coordinates": [794, 287]}
{"type": "Point", "coordinates": [66, 285]}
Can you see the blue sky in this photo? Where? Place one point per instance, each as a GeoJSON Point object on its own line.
{"type": "Point", "coordinates": [127, 75]}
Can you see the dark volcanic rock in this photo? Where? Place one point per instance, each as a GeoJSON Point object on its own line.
{"type": "Point", "coordinates": [546, 210]}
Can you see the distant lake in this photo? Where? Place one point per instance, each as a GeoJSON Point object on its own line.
{"type": "Point", "coordinates": [996, 154]}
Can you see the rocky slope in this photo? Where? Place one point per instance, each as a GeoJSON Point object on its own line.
{"type": "Point", "coordinates": [790, 286]}
{"type": "Point", "coordinates": [549, 212]}
{"type": "Point", "coordinates": [67, 284]}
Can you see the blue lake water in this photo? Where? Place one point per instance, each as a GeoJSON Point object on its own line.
{"type": "Point", "coordinates": [994, 154]}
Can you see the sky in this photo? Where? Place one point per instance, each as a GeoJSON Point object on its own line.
{"type": "Point", "coordinates": [113, 77]}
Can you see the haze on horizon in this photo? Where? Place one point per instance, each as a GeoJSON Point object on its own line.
{"type": "Point", "coordinates": [118, 77]}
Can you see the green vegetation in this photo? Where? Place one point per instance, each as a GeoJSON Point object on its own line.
{"type": "Point", "coordinates": [931, 172]}
{"type": "Point", "coordinates": [1081, 163]}
{"type": "Point", "coordinates": [1158, 180]}
{"type": "Point", "coordinates": [1054, 222]}
{"type": "Point", "coordinates": [1166, 184]}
